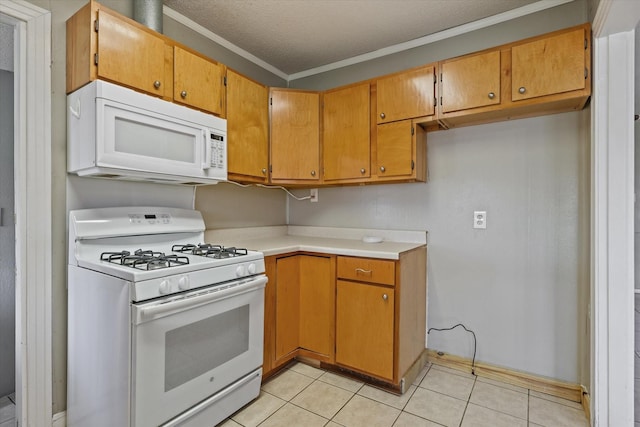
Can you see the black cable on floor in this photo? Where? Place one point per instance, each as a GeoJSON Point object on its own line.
{"type": "Point", "coordinates": [473, 361]}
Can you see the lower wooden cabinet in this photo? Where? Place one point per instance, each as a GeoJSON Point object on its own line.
{"type": "Point", "coordinates": [366, 315]}
{"type": "Point", "coordinates": [299, 309]}
{"type": "Point", "coordinates": [364, 328]}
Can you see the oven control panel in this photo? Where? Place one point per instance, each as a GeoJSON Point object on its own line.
{"type": "Point", "coordinates": [150, 218]}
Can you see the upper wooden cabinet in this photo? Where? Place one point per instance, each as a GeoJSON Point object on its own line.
{"type": "Point", "coordinates": [295, 136]}
{"type": "Point", "coordinates": [247, 129]}
{"type": "Point", "coordinates": [102, 44]}
{"type": "Point", "coordinates": [198, 82]}
{"type": "Point", "coordinates": [406, 95]}
{"type": "Point", "coordinates": [96, 41]}
{"type": "Point", "coordinates": [400, 152]}
{"type": "Point", "coordinates": [549, 65]}
{"type": "Point", "coordinates": [546, 74]}
{"type": "Point", "coordinates": [346, 140]}
{"type": "Point", "coordinates": [470, 82]}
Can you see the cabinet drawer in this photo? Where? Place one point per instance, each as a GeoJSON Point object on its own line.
{"type": "Point", "coordinates": [367, 270]}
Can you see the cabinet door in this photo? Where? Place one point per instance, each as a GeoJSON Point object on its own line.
{"type": "Point", "coordinates": [395, 150]}
{"type": "Point", "coordinates": [287, 306]}
{"type": "Point", "coordinates": [471, 82]}
{"type": "Point", "coordinates": [129, 55]}
{"type": "Point", "coordinates": [548, 66]}
{"type": "Point", "coordinates": [364, 328]}
{"type": "Point", "coordinates": [295, 135]}
{"type": "Point", "coordinates": [346, 146]}
{"type": "Point", "coordinates": [406, 95]}
{"type": "Point", "coordinates": [317, 302]}
{"type": "Point", "coordinates": [198, 82]}
{"type": "Point", "coordinates": [247, 127]}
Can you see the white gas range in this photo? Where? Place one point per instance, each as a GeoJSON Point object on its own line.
{"type": "Point", "coordinates": [162, 328]}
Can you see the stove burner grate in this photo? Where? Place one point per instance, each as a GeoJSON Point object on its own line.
{"type": "Point", "coordinates": [144, 259]}
{"type": "Point", "coordinates": [210, 251]}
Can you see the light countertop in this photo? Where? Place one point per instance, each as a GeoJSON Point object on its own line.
{"type": "Point", "coordinates": [329, 240]}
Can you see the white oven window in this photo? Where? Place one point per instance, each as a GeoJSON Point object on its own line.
{"type": "Point", "coordinates": [199, 347]}
{"type": "Point", "coordinates": [145, 140]}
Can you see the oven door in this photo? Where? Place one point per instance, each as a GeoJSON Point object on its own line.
{"type": "Point", "coordinates": [188, 347]}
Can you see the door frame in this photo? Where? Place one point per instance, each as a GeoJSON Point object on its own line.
{"type": "Point", "coordinates": [612, 253]}
{"type": "Point", "coordinates": [32, 182]}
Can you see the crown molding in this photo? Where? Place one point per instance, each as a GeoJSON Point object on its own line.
{"type": "Point", "coordinates": [441, 35]}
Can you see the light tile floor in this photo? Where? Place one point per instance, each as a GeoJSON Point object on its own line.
{"type": "Point", "coordinates": [7, 411]}
{"type": "Point", "coordinates": [306, 396]}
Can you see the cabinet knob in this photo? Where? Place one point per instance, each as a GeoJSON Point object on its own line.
{"type": "Point", "coordinates": [382, 169]}
{"type": "Point", "coordinates": [156, 84]}
{"type": "Point", "coordinates": [362, 170]}
{"type": "Point", "coordinates": [183, 94]}
{"type": "Point", "coordinates": [385, 297]}
{"type": "Point", "coordinates": [522, 89]}
{"type": "Point", "coordinates": [264, 171]}
{"type": "Point", "coordinates": [313, 173]}
{"type": "Point", "coordinates": [382, 115]}
{"type": "Point", "coordinates": [492, 95]}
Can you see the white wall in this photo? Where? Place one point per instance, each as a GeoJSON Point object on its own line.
{"type": "Point", "coordinates": [519, 284]}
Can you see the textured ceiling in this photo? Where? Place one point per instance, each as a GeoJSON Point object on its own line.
{"type": "Point", "coordinates": [298, 35]}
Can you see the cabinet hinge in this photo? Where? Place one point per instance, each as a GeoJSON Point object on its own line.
{"type": "Point", "coordinates": [270, 168]}
{"type": "Point", "coordinates": [435, 101]}
{"type": "Point", "coordinates": [96, 25]}
{"type": "Point", "coordinates": [95, 58]}
{"type": "Point", "coordinates": [435, 77]}
{"type": "Point", "coordinates": [224, 80]}
{"type": "Point", "coordinates": [413, 165]}
{"type": "Point", "coordinates": [440, 77]}
{"type": "Point", "coordinates": [586, 72]}
{"type": "Point", "coordinates": [413, 130]}
{"type": "Point", "coordinates": [270, 101]}
{"type": "Point", "coordinates": [585, 44]}
{"type": "Point", "coordinates": [440, 100]}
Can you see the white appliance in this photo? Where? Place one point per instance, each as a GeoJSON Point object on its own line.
{"type": "Point", "coordinates": [162, 329]}
{"type": "Point", "coordinates": [116, 132]}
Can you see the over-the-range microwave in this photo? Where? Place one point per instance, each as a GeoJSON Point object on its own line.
{"type": "Point", "coordinates": [116, 132]}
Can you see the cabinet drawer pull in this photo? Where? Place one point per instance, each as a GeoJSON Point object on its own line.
{"type": "Point", "coordinates": [183, 94]}
{"type": "Point", "coordinates": [363, 271]}
{"type": "Point", "coordinates": [492, 95]}
{"type": "Point", "coordinates": [385, 297]}
{"type": "Point", "coordinates": [522, 90]}
{"type": "Point", "coordinates": [156, 84]}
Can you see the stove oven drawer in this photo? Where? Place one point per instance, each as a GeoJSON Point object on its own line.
{"type": "Point", "coordinates": [187, 348]}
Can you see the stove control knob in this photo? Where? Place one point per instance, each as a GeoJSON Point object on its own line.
{"type": "Point", "coordinates": [251, 269]}
{"type": "Point", "coordinates": [183, 283]}
{"type": "Point", "coordinates": [165, 287]}
{"type": "Point", "coordinates": [240, 271]}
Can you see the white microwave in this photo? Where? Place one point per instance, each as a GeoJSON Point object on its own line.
{"type": "Point", "coordinates": [116, 132]}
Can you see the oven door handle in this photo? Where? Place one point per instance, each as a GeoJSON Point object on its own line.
{"type": "Point", "coordinates": [160, 309]}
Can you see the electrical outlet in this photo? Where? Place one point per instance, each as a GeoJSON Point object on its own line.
{"type": "Point", "coordinates": [480, 219]}
{"type": "Point", "coordinates": [313, 195]}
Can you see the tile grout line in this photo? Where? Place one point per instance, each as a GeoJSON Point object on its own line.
{"type": "Point", "coordinates": [468, 400]}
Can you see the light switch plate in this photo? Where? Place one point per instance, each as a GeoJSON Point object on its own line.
{"type": "Point", "coordinates": [480, 219]}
